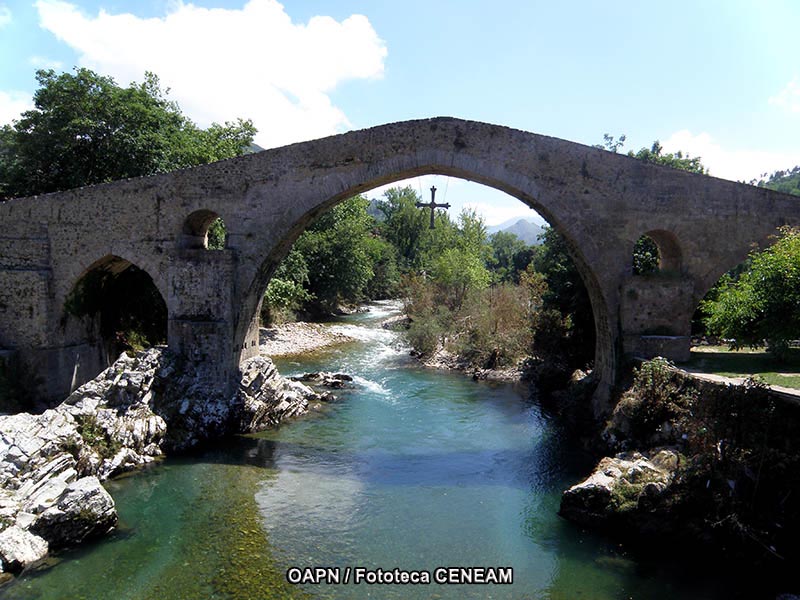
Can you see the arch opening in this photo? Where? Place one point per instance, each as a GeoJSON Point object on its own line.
{"type": "Point", "coordinates": [657, 251]}
{"type": "Point", "coordinates": [567, 311]}
{"type": "Point", "coordinates": [114, 306]}
{"type": "Point", "coordinates": [203, 229]}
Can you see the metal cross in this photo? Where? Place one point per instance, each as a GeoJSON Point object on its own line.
{"type": "Point", "coordinates": [432, 205]}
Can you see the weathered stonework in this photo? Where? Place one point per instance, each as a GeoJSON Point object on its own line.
{"type": "Point", "coordinates": [599, 201]}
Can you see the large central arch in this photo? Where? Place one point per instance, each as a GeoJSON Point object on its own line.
{"type": "Point", "coordinates": [528, 194]}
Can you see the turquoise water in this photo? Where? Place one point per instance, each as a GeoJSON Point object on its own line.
{"type": "Point", "coordinates": [410, 469]}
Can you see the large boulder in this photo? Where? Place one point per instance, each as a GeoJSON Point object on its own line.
{"type": "Point", "coordinates": [626, 489]}
{"type": "Point", "coordinates": [84, 509]}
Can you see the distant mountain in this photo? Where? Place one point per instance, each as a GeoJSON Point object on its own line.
{"type": "Point", "coordinates": [526, 230]}
{"type": "Point", "coordinates": [374, 211]}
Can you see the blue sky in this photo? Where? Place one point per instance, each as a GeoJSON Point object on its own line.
{"type": "Point", "coordinates": [719, 79]}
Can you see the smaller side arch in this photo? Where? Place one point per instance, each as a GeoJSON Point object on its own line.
{"type": "Point", "coordinates": [196, 228]}
{"type": "Point", "coordinates": [112, 306]}
{"type": "Point", "coordinates": [670, 255]}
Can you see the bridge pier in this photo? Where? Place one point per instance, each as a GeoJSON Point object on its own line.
{"type": "Point", "coordinates": [656, 315]}
{"type": "Point", "coordinates": [200, 302]}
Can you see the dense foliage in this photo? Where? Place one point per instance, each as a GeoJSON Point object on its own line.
{"type": "Point", "coordinates": [464, 290]}
{"type": "Point", "coordinates": [645, 256]}
{"type": "Point", "coordinates": [86, 129]}
{"type": "Point", "coordinates": [569, 330]}
{"type": "Point", "coordinates": [763, 305]}
{"type": "Point", "coordinates": [787, 181]}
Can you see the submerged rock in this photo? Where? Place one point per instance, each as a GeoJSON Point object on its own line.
{"type": "Point", "coordinates": [622, 489]}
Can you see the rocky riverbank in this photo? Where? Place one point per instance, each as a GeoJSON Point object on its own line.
{"type": "Point", "coordinates": [701, 463]}
{"type": "Point", "coordinates": [297, 338]}
{"type": "Point", "coordinates": [443, 359]}
{"type": "Point", "coordinates": [51, 464]}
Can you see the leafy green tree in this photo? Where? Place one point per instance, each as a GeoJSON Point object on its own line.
{"type": "Point", "coordinates": [645, 256]}
{"type": "Point", "coordinates": [405, 226]}
{"type": "Point", "coordinates": [507, 250]}
{"type": "Point", "coordinates": [565, 295]}
{"type": "Point", "coordinates": [286, 291]}
{"type": "Point", "coordinates": [763, 306]}
{"type": "Point", "coordinates": [216, 235]}
{"type": "Point", "coordinates": [385, 282]}
{"type": "Point", "coordinates": [655, 154]}
{"type": "Point", "coordinates": [85, 129]}
{"type": "Point", "coordinates": [457, 271]}
{"type": "Point", "coordinates": [787, 181]}
{"type": "Point", "coordinates": [337, 252]}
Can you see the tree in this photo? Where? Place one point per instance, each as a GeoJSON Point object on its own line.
{"type": "Point", "coordinates": [787, 181]}
{"type": "Point", "coordinates": [645, 256]}
{"type": "Point", "coordinates": [85, 129]}
{"type": "Point", "coordinates": [508, 255]}
{"type": "Point", "coordinates": [655, 154]}
{"type": "Point", "coordinates": [286, 291]}
{"type": "Point", "coordinates": [566, 295]}
{"type": "Point", "coordinates": [336, 249]}
{"type": "Point", "coordinates": [677, 160]}
{"type": "Point", "coordinates": [385, 282]}
{"type": "Point", "coordinates": [763, 306]}
{"type": "Point", "coordinates": [456, 272]}
{"type": "Point", "coordinates": [405, 226]}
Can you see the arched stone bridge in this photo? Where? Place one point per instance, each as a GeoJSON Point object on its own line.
{"type": "Point", "coordinates": [599, 201]}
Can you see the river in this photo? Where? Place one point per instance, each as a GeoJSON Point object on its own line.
{"type": "Point", "coordinates": [412, 469]}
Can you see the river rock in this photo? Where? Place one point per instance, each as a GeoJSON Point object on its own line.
{"type": "Point", "coordinates": [324, 378]}
{"type": "Point", "coordinates": [396, 323]}
{"type": "Point", "coordinates": [19, 549]}
{"type": "Point", "coordinates": [264, 398]}
{"type": "Point", "coordinates": [84, 509]}
{"type": "Point", "coordinates": [623, 488]}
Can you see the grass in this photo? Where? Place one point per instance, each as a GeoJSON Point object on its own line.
{"type": "Point", "coordinates": [719, 360]}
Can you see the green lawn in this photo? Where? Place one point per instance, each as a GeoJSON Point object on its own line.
{"type": "Point", "coordinates": [741, 363]}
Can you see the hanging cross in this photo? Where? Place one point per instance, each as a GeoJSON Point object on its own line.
{"type": "Point", "coordinates": [432, 204]}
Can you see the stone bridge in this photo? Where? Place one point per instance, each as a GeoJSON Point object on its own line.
{"type": "Point", "coordinates": [599, 201]}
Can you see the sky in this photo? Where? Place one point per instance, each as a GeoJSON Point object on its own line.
{"type": "Point", "coordinates": [719, 79]}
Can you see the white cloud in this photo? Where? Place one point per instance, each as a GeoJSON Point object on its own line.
{"type": "Point", "coordinates": [40, 62]}
{"type": "Point", "coordinates": [221, 64]}
{"type": "Point", "coordinates": [733, 164]}
{"type": "Point", "coordinates": [5, 15]}
{"type": "Point", "coordinates": [12, 104]}
{"type": "Point", "coordinates": [789, 97]}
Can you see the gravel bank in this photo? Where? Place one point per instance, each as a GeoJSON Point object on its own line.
{"type": "Point", "coordinates": [298, 338]}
